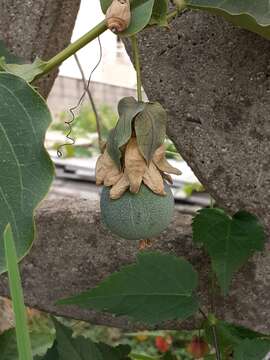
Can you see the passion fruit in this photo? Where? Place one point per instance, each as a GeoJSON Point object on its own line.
{"type": "Point", "coordinates": [137, 216]}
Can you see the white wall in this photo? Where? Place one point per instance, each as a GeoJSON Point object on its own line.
{"type": "Point", "coordinates": [112, 70]}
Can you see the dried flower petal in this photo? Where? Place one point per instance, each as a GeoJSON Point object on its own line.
{"type": "Point", "coordinates": [106, 170]}
{"type": "Point", "coordinates": [153, 179]}
{"type": "Point", "coordinates": [161, 162]}
{"type": "Point", "coordinates": [120, 187]}
{"type": "Point", "coordinates": [135, 165]}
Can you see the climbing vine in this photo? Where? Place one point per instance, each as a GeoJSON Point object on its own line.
{"type": "Point", "coordinates": [136, 201]}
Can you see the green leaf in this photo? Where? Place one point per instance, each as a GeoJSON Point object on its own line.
{"type": "Point", "coordinates": [41, 340]}
{"type": "Point", "coordinates": [150, 127]}
{"type": "Point", "coordinates": [15, 285]}
{"type": "Point", "coordinates": [252, 349]}
{"type": "Point", "coordinates": [70, 348]}
{"type": "Point", "coordinates": [230, 335]}
{"type": "Point", "coordinates": [28, 72]}
{"type": "Point", "coordinates": [141, 357]}
{"type": "Point", "coordinates": [52, 354]}
{"type": "Point", "coordinates": [158, 287]}
{"type": "Point", "coordinates": [128, 108]}
{"type": "Point", "coordinates": [8, 345]}
{"type": "Point", "coordinates": [26, 168]}
{"type": "Point", "coordinates": [229, 241]}
{"type": "Point", "coordinates": [169, 356]}
{"type": "Point", "coordinates": [10, 58]}
{"type": "Point", "coordinates": [120, 352]}
{"type": "Point", "coordinates": [159, 14]}
{"type": "Point", "coordinates": [141, 12]}
{"type": "Point", "coordinates": [81, 348]}
{"type": "Point", "coordinates": [248, 14]}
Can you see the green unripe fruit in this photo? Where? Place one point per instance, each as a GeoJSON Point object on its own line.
{"type": "Point", "coordinates": [137, 216]}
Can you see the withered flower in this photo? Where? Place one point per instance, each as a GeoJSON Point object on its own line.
{"type": "Point", "coordinates": [135, 171]}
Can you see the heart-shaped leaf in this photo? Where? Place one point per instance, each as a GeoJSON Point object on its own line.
{"type": "Point", "coordinates": [141, 12]}
{"type": "Point", "coordinates": [150, 127]}
{"type": "Point", "coordinates": [158, 287]}
{"type": "Point", "coordinates": [249, 14]}
{"type": "Point", "coordinates": [229, 241]}
{"type": "Point", "coordinates": [128, 108]}
{"type": "Point", "coordinates": [159, 14]}
{"type": "Point", "coordinates": [26, 171]}
{"type": "Point", "coordinates": [28, 72]}
{"type": "Point", "coordinates": [255, 349]}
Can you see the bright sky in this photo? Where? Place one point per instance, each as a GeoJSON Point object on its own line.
{"type": "Point", "coordinates": [89, 15]}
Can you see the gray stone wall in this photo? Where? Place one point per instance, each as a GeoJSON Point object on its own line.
{"type": "Point", "coordinates": [74, 252]}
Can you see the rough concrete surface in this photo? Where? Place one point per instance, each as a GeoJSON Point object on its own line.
{"type": "Point", "coordinates": [38, 28]}
{"type": "Point", "coordinates": [74, 252]}
{"type": "Point", "coordinates": [214, 81]}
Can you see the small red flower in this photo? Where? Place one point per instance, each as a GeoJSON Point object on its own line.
{"type": "Point", "coordinates": [163, 344]}
{"type": "Point", "coordinates": [197, 348]}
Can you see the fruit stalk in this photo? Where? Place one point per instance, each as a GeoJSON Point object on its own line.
{"type": "Point", "coordinates": [137, 64]}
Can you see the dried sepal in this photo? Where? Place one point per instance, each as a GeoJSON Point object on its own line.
{"type": "Point", "coordinates": [106, 170]}
{"type": "Point", "coordinates": [153, 179]}
{"type": "Point", "coordinates": [167, 177]}
{"type": "Point", "coordinates": [135, 165]}
{"type": "Point", "coordinates": [161, 162]}
{"type": "Point", "coordinates": [120, 187]}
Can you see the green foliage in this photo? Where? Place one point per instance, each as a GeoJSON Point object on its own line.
{"type": "Point", "coordinates": [158, 287]}
{"type": "Point", "coordinates": [66, 347]}
{"type": "Point", "coordinates": [41, 336]}
{"type": "Point", "coordinates": [28, 72]}
{"type": "Point", "coordinates": [52, 354]}
{"type": "Point", "coordinates": [230, 335]}
{"type": "Point", "coordinates": [26, 169]}
{"type": "Point", "coordinates": [137, 216]}
{"type": "Point", "coordinates": [190, 188]}
{"type": "Point", "coordinates": [22, 333]}
{"type": "Point", "coordinates": [248, 14]}
{"type": "Point", "coordinates": [159, 14]}
{"type": "Point", "coordinates": [141, 12]}
{"type": "Point", "coordinates": [142, 357]}
{"type": "Point", "coordinates": [150, 127]}
{"type": "Point", "coordinates": [128, 108]}
{"type": "Point", "coordinates": [85, 122]}
{"type": "Point", "coordinates": [229, 241]}
{"type": "Point", "coordinates": [255, 349]}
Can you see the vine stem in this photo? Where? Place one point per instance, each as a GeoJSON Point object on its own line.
{"type": "Point", "coordinates": [91, 99]}
{"type": "Point", "coordinates": [73, 48]}
{"type": "Point", "coordinates": [136, 57]}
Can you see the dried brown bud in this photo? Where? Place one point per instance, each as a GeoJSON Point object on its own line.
{"type": "Point", "coordinates": [118, 15]}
